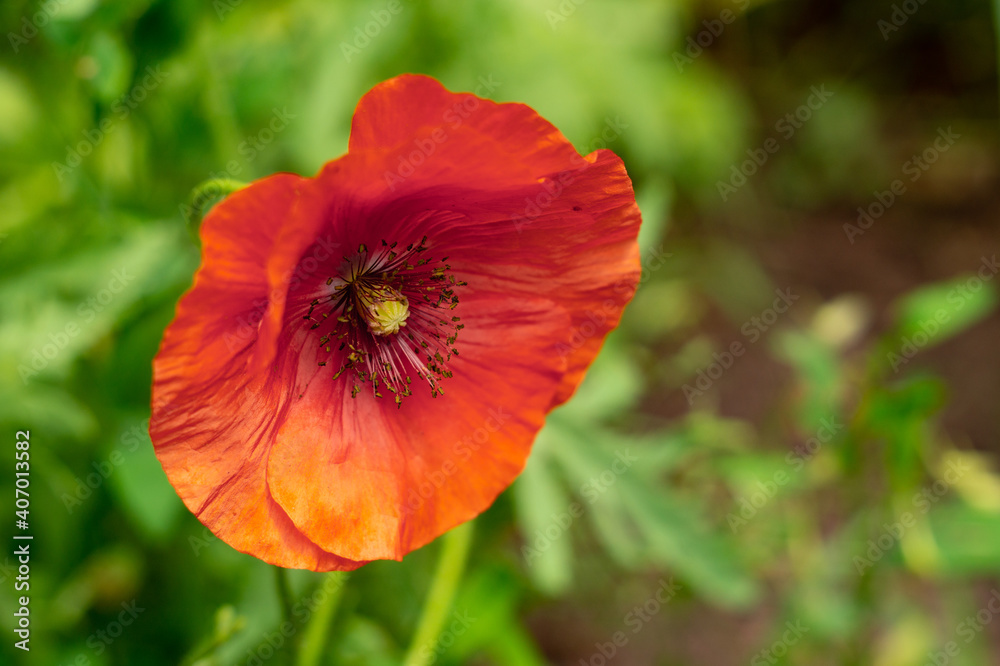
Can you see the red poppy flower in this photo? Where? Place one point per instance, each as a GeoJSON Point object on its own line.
{"type": "Point", "coordinates": [365, 357]}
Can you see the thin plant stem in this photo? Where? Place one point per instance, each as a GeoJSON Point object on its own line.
{"type": "Point", "coordinates": [318, 629]}
{"type": "Point", "coordinates": [285, 599]}
{"type": "Point", "coordinates": [439, 600]}
{"type": "Point", "coordinates": [284, 593]}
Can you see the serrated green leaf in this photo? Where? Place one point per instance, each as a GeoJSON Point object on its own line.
{"type": "Point", "coordinates": [543, 508]}
{"type": "Point", "coordinates": [677, 539]}
{"type": "Point", "coordinates": [932, 314]}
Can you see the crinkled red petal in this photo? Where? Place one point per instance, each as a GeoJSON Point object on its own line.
{"type": "Point", "coordinates": [269, 450]}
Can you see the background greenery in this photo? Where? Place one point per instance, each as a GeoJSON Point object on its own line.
{"type": "Point", "coordinates": [805, 485]}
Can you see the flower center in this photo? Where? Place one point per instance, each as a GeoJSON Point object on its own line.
{"type": "Point", "coordinates": [383, 308]}
{"type": "Point", "coordinates": [387, 318]}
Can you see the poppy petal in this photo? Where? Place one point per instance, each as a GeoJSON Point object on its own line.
{"type": "Point", "coordinates": [414, 122]}
{"type": "Point", "coordinates": [576, 246]}
{"type": "Point", "coordinates": [346, 469]}
{"type": "Point", "coordinates": [203, 409]}
{"type": "Point", "coordinates": [270, 446]}
{"type": "Point", "coordinates": [577, 212]}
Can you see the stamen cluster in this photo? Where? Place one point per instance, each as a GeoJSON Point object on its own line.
{"type": "Point", "coordinates": [384, 317]}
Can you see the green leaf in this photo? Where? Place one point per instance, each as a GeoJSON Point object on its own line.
{"type": "Point", "coordinates": [932, 314]}
{"type": "Point", "coordinates": [142, 488]}
{"type": "Point", "coordinates": [617, 533]}
{"type": "Point", "coordinates": [818, 368]}
{"type": "Point", "coordinates": [968, 539]}
{"type": "Point", "coordinates": [488, 604]}
{"type": "Point", "coordinates": [678, 539]}
{"type": "Point", "coordinates": [900, 415]}
{"type": "Point", "coordinates": [612, 386]}
{"type": "Point", "coordinates": [112, 65]}
{"type": "Point", "coordinates": [54, 313]}
{"type": "Point", "coordinates": [542, 508]}
{"type": "Point", "coordinates": [637, 516]}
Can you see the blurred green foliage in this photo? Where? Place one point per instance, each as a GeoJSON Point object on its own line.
{"type": "Point", "coordinates": [803, 476]}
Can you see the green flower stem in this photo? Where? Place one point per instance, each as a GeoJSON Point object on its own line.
{"type": "Point", "coordinates": [205, 193]}
{"type": "Point", "coordinates": [284, 593]}
{"type": "Point", "coordinates": [227, 625]}
{"type": "Point", "coordinates": [285, 600]}
{"type": "Point", "coordinates": [439, 600]}
{"type": "Point", "coordinates": [318, 629]}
